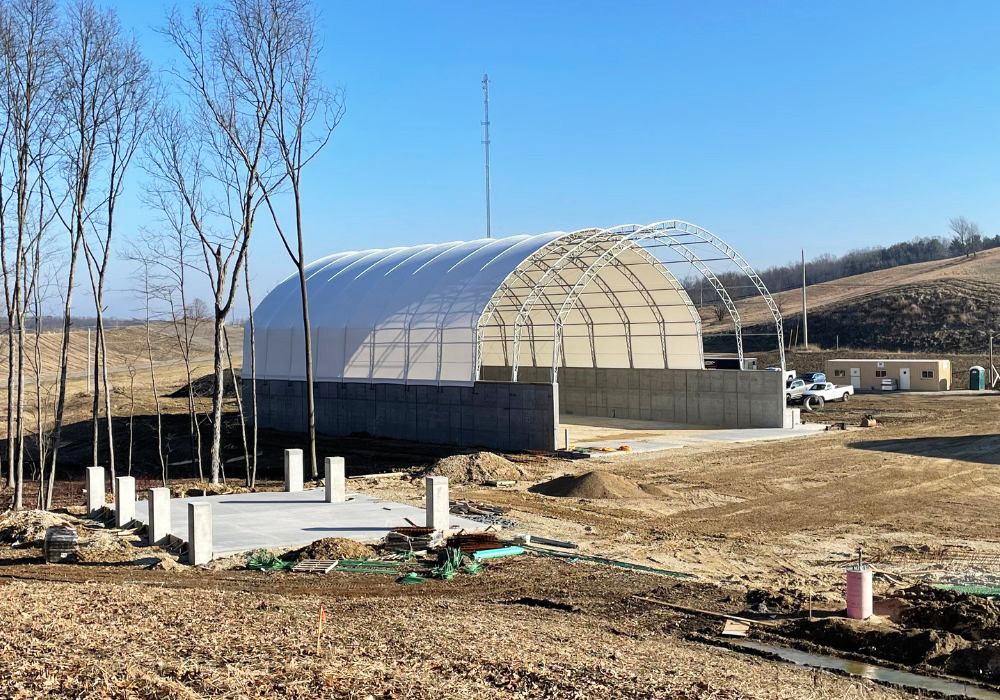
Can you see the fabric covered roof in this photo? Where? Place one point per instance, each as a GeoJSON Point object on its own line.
{"type": "Point", "coordinates": [431, 314]}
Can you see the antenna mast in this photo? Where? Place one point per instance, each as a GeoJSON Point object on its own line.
{"type": "Point", "coordinates": [486, 146]}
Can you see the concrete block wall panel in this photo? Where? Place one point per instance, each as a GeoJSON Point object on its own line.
{"type": "Point", "coordinates": [496, 415]}
{"type": "Point", "coordinates": [728, 398]}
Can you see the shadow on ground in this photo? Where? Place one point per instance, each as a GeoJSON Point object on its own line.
{"type": "Point", "coordinates": [984, 449]}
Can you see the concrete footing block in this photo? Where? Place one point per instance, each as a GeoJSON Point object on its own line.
{"type": "Point", "coordinates": [159, 515]}
{"type": "Point", "coordinates": [124, 500]}
{"type": "Point", "coordinates": [199, 539]}
{"type": "Point", "coordinates": [436, 502]}
{"type": "Point", "coordinates": [336, 489]}
{"type": "Point", "coordinates": [95, 489]}
{"type": "Point", "coordinates": [293, 470]}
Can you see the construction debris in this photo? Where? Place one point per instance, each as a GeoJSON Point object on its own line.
{"type": "Point", "coordinates": [483, 513]}
{"type": "Point", "coordinates": [61, 543]}
{"type": "Point", "coordinates": [314, 566]}
{"type": "Point", "coordinates": [469, 542]}
{"type": "Point", "coordinates": [868, 421]}
{"type": "Point", "coordinates": [735, 628]}
{"type": "Point", "coordinates": [410, 539]}
{"type": "Point", "coordinates": [537, 539]}
{"type": "Point", "coordinates": [709, 613]}
{"type": "Point", "coordinates": [367, 566]}
{"type": "Point", "coordinates": [497, 553]}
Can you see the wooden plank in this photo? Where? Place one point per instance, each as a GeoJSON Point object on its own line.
{"type": "Point", "coordinates": [709, 613]}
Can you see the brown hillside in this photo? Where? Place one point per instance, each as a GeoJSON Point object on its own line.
{"type": "Point", "coordinates": [983, 268]}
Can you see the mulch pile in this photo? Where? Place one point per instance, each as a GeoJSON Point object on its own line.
{"type": "Point", "coordinates": [27, 527]}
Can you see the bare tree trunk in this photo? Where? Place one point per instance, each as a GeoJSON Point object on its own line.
{"type": "Point", "coordinates": [63, 365]}
{"type": "Point", "coordinates": [216, 453]}
{"type": "Point", "coordinates": [239, 403]}
{"type": "Point", "coordinates": [252, 464]}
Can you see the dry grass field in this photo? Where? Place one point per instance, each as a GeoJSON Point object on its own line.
{"type": "Point", "coordinates": [773, 521]}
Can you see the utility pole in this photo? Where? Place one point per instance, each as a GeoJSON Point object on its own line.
{"type": "Point", "coordinates": [805, 316]}
{"type": "Point", "coordinates": [993, 370]}
{"type": "Point", "coordinates": [486, 146]}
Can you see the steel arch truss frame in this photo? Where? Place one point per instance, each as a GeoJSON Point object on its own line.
{"type": "Point", "coordinates": [572, 251]}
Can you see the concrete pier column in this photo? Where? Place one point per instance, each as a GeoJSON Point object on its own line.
{"type": "Point", "coordinates": [336, 489]}
{"type": "Point", "coordinates": [436, 502]}
{"type": "Point", "coordinates": [293, 470]}
{"type": "Point", "coordinates": [199, 533]}
{"type": "Point", "coordinates": [124, 500]}
{"type": "Point", "coordinates": [159, 515]}
{"type": "Point", "coordinates": [95, 489]}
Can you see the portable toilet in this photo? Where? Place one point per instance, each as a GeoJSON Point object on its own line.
{"type": "Point", "coordinates": [977, 377]}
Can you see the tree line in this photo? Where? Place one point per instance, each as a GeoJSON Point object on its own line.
{"type": "Point", "coordinates": [966, 239]}
{"type": "Point", "coordinates": [221, 136]}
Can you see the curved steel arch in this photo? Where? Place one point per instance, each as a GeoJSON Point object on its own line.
{"type": "Point", "coordinates": [655, 231]}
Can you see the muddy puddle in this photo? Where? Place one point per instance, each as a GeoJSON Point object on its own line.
{"type": "Point", "coordinates": [877, 673]}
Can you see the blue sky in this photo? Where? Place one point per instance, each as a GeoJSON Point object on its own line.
{"type": "Point", "coordinates": [773, 124]}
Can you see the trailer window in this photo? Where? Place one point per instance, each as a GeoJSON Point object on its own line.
{"type": "Point", "coordinates": [927, 374]}
{"type": "Point", "coordinates": [839, 373]}
{"type": "Point", "coordinates": [880, 373]}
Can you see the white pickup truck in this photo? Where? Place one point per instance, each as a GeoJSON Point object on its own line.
{"type": "Point", "coordinates": [827, 392]}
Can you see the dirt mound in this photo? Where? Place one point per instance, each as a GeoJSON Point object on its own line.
{"type": "Point", "coordinates": [336, 548]}
{"type": "Point", "coordinates": [981, 661]}
{"type": "Point", "coordinates": [595, 484]}
{"type": "Point", "coordinates": [188, 489]}
{"type": "Point", "coordinates": [903, 646]}
{"type": "Point", "coordinates": [972, 617]}
{"type": "Point", "coordinates": [476, 468]}
{"type": "Point", "coordinates": [205, 386]}
{"type": "Point", "coordinates": [27, 527]}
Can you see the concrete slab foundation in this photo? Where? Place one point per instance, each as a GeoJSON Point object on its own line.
{"type": "Point", "coordinates": [95, 489]}
{"type": "Point", "coordinates": [199, 533]}
{"type": "Point", "coordinates": [335, 486]}
{"type": "Point", "coordinates": [247, 521]}
{"type": "Point", "coordinates": [159, 515]}
{"type": "Point", "coordinates": [124, 500]}
{"type": "Point", "coordinates": [597, 433]}
{"type": "Point", "coordinates": [293, 470]}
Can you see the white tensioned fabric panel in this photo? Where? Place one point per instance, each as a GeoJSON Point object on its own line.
{"type": "Point", "coordinates": [394, 315]}
{"type": "Point", "coordinates": [634, 314]}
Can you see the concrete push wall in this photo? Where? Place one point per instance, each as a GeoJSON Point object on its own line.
{"type": "Point", "coordinates": [727, 398]}
{"type": "Point", "coordinates": [499, 415]}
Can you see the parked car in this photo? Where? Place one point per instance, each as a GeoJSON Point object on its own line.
{"type": "Point", "coordinates": [813, 377]}
{"type": "Point", "coordinates": [789, 374]}
{"type": "Point", "coordinates": [828, 391]}
{"type": "Point", "coordinates": [794, 390]}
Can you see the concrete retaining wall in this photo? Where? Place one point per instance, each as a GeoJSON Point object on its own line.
{"type": "Point", "coordinates": [727, 398]}
{"type": "Point", "coordinates": [498, 415]}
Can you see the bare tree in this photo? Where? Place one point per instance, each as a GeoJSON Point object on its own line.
{"type": "Point", "coordinates": [230, 61]}
{"type": "Point", "coordinates": [302, 123]}
{"type": "Point", "coordinates": [124, 93]}
{"type": "Point", "coordinates": [967, 235]}
{"type": "Point", "coordinates": [27, 31]}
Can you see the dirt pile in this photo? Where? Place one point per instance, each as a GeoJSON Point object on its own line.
{"type": "Point", "coordinates": [972, 617]}
{"type": "Point", "coordinates": [902, 646]}
{"type": "Point", "coordinates": [595, 484]}
{"type": "Point", "coordinates": [336, 548]}
{"type": "Point", "coordinates": [187, 489]}
{"type": "Point", "coordinates": [477, 468]}
{"type": "Point", "coordinates": [27, 527]}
